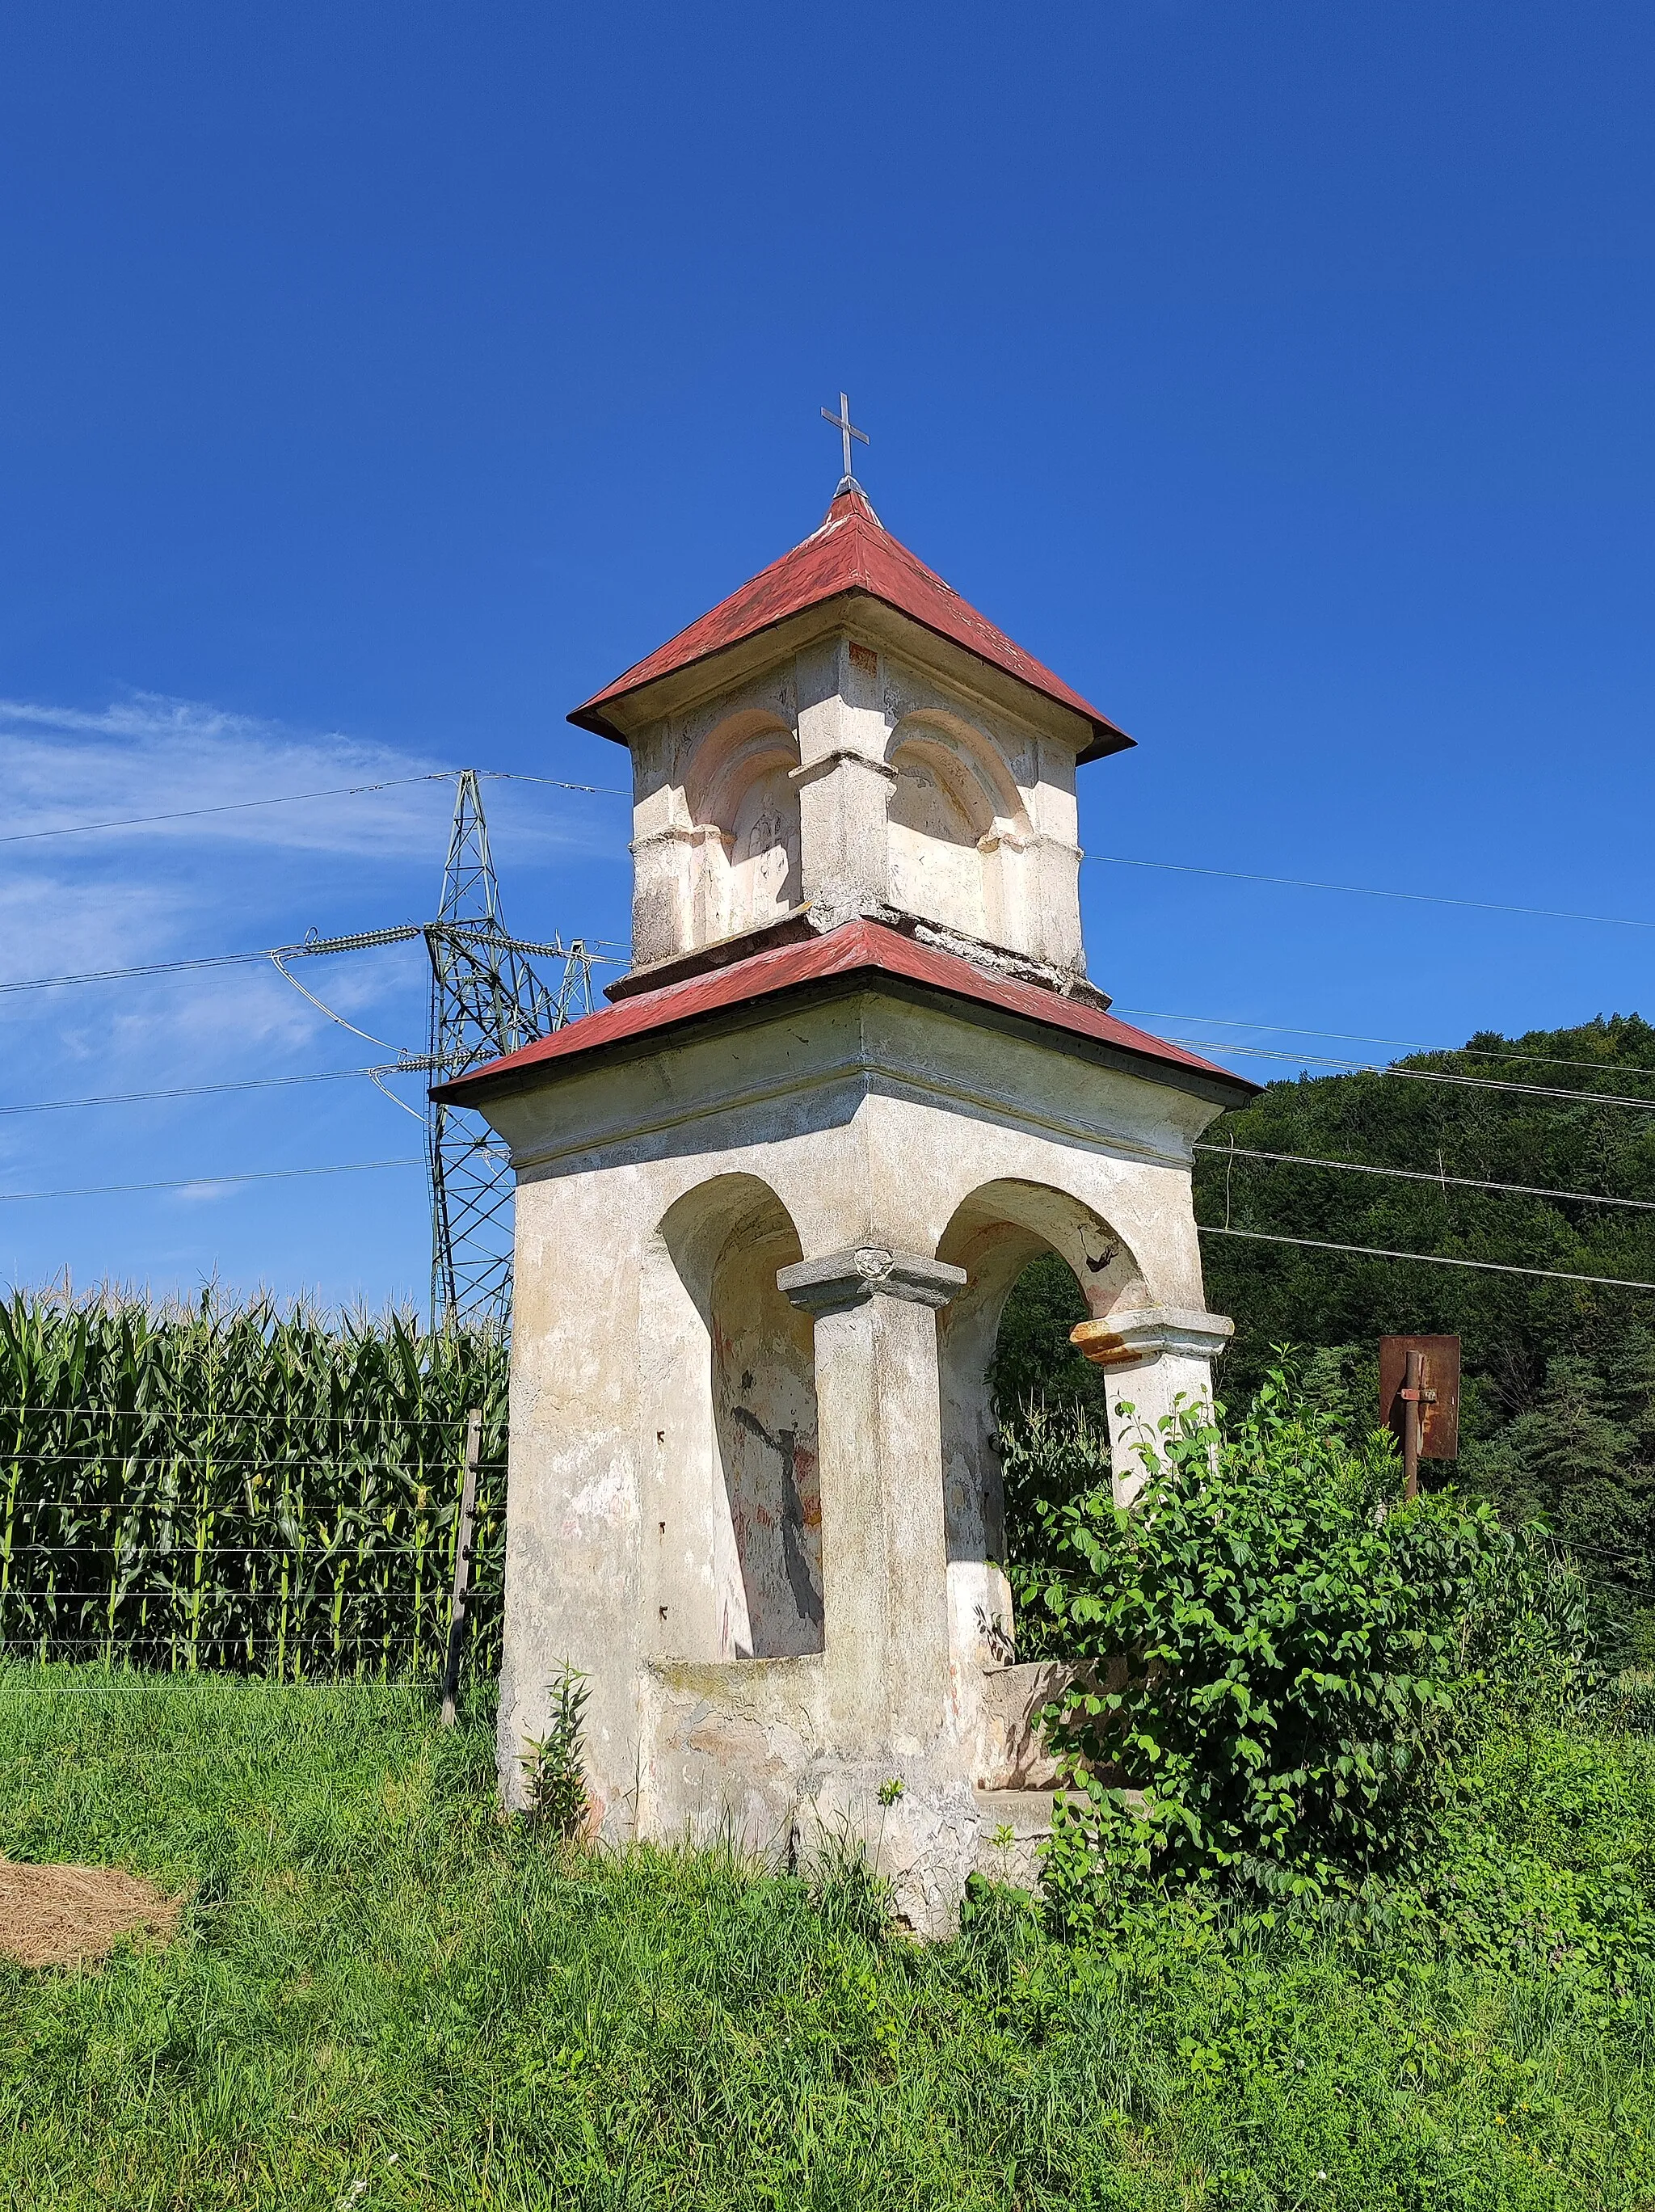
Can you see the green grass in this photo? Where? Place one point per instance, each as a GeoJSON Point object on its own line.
{"type": "Point", "coordinates": [382, 1996]}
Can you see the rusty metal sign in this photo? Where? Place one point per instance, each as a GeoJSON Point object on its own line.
{"type": "Point", "coordinates": [1438, 1405]}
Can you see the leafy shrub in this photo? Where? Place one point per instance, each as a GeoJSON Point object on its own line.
{"type": "Point", "coordinates": [1298, 1656]}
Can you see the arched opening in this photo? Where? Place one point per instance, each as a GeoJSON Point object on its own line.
{"type": "Point", "coordinates": [996, 1235]}
{"type": "Point", "coordinates": [740, 1481]}
{"type": "Point", "coordinates": [764, 851]}
{"type": "Point", "coordinates": [951, 805]}
{"type": "Point", "coordinates": [936, 865]}
{"type": "Point", "coordinates": [740, 787]}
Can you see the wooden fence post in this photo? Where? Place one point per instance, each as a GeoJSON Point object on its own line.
{"type": "Point", "coordinates": [450, 1673]}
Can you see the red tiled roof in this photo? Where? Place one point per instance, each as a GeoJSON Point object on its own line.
{"type": "Point", "coordinates": [853, 552]}
{"type": "Point", "coordinates": [855, 947]}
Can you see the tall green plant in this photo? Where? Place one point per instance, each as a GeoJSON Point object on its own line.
{"type": "Point", "coordinates": [553, 1765]}
{"type": "Point", "coordinates": [247, 1485]}
{"type": "Point", "coordinates": [1296, 1656]}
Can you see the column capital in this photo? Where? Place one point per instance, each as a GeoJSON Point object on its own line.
{"type": "Point", "coordinates": [841, 756]}
{"type": "Point", "coordinates": [679, 833]}
{"type": "Point", "coordinates": [843, 1279]}
{"type": "Point", "coordinates": [1143, 1334]}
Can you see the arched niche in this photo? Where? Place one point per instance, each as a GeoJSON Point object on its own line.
{"type": "Point", "coordinates": [741, 795]}
{"type": "Point", "coordinates": [950, 807]}
{"type": "Point", "coordinates": [994, 1234]}
{"type": "Point", "coordinates": [742, 1567]}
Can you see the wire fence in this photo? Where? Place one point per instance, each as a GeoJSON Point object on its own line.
{"type": "Point", "coordinates": [182, 1551]}
{"type": "Point", "coordinates": [164, 1549]}
{"type": "Point", "coordinates": [237, 1489]}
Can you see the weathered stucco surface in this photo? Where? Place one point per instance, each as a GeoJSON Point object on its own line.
{"type": "Point", "coordinates": [754, 1488]}
{"type": "Point", "coordinates": [763, 1520]}
{"type": "Point", "coordinates": [854, 773]}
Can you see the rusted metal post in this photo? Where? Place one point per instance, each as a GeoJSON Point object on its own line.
{"type": "Point", "coordinates": [1419, 1400]}
{"type": "Point", "coordinates": [450, 1673]}
{"type": "Point", "coordinates": [1412, 1394]}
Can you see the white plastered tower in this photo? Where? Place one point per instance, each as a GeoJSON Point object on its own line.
{"type": "Point", "coordinates": [771, 1203]}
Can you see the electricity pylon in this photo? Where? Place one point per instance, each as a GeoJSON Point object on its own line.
{"type": "Point", "coordinates": [486, 1000]}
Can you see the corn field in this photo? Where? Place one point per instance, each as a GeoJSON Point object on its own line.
{"type": "Point", "coordinates": [250, 1487]}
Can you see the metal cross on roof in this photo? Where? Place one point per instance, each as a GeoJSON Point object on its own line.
{"type": "Point", "coordinates": [847, 428]}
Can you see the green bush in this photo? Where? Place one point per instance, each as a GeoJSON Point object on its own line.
{"type": "Point", "coordinates": [1298, 1658]}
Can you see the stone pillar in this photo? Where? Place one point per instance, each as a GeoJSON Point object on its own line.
{"type": "Point", "coordinates": [662, 876]}
{"type": "Point", "coordinates": [1051, 869]}
{"type": "Point", "coordinates": [1155, 1356]}
{"type": "Point", "coordinates": [843, 778]}
{"type": "Point", "coordinates": [884, 1570]}
{"type": "Point", "coordinates": [843, 836]}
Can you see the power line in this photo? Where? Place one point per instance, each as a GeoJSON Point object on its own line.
{"type": "Point", "coordinates": [298, 798]}
{"type": "Point", "coordinates": [1425, 1259]}
{"type": "Point", "coordinates": [149, 968]}
{"type": "Point", "coordinates": [1350, 1036]}
{"type": "Point", "coordinates": [1426, 1074]}
{"type": "Point", "coordinates": [1425, 1174]}
{"type": "Point", "coordinates": [1366, 891]}
{"type": "Point", "coordinates": [195, 1089]}
{"type": "Point", "coordinates": [366, 1036]}
{"type": "Point", "coordinates": [362, 940]}
{"type": "Point", "coordinates": [199, 1181]}
{"type": "Point", "coordinates": [510, 775]}
{"type": "Point", "coordinates": [225, 806]}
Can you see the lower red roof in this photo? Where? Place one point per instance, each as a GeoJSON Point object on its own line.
{"type": "Point", "coordinates": [856, 947]}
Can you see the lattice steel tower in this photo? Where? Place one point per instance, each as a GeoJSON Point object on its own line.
{"type": "Point", "coordinates": [486, 1000]}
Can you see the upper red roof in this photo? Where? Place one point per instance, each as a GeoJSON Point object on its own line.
{"type": "Point", "coordinates": [855, 947]}
{"type": "Point", "coordinates": [852, 552]}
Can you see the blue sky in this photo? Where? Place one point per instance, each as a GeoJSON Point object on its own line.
{"type": "Point", "coordinates": [379, 381]}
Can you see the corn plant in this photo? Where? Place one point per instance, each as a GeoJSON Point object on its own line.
{"type": "Point", "coordinates": [252, 1487]}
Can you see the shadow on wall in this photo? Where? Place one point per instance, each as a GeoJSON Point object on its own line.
{"type": "Point", "coordinates": [744, 801]}
{"type": "Point", "coordinates": [755, 1501]}
{"type": "Point", "coordinates": [994, 1236]}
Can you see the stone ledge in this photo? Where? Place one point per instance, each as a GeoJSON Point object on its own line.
{"type": "Point", "coordinates": [840, 757]}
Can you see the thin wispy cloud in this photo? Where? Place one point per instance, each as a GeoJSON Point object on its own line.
{"type": "Point", "coordinates": [120, 897]}
{"type": "Point", "coordinates": [147, 756]}
{"type": "Point", "coordinates": [50, 925]}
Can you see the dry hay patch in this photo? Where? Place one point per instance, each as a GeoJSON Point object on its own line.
{"type": "Point", "coordinates": [58, 1916]}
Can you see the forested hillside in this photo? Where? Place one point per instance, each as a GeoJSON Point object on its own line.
{"type": "Point", "coordinates": [1559, 1414]}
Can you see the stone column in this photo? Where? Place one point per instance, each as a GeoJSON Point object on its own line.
{"type": "Point", "coordinates": [1156, 1358]}
{"type": "Point", "coordinates": [843, 836]}
{"type": "Point", "coordinates": [1051, 869]}
{"type": "Point", "coordinates": [884, 1570]}
{"type": "Point", "coordinates": [843, 778]}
